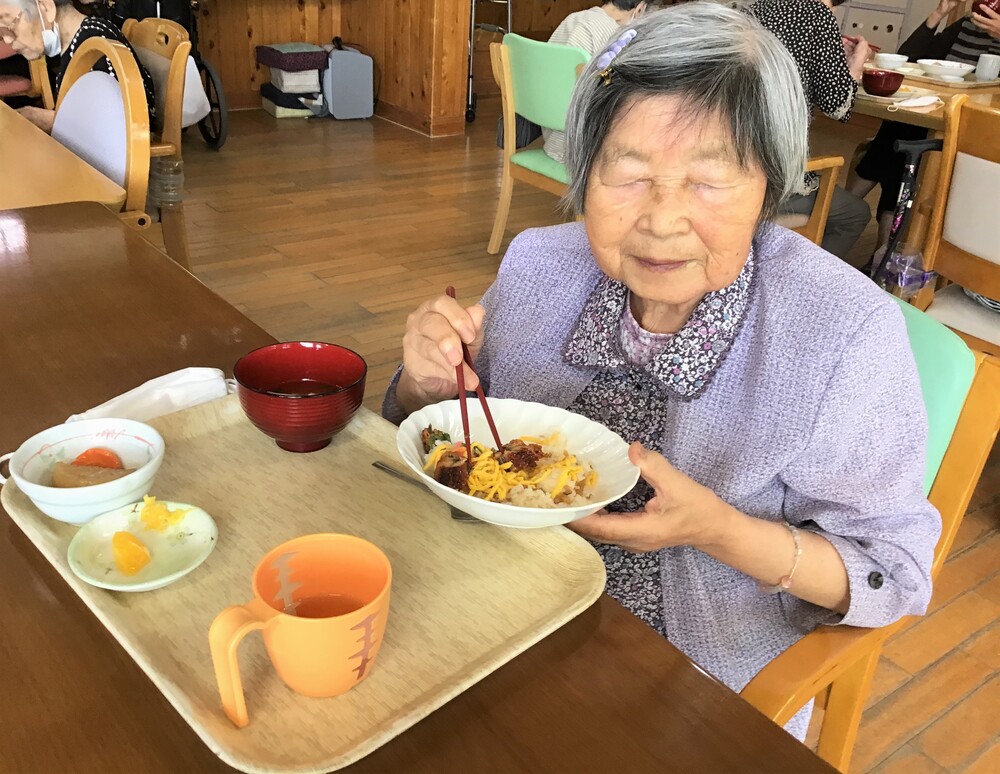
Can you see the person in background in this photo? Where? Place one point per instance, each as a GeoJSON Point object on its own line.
{"type": "Point", "coordinates": [830, 67]}
{"type": "Point", "coordinates": [56, 28]}
{"type": "Point", "coordinates": [963, 41]}
{"type": "Point", "coordinates": [592, 30]}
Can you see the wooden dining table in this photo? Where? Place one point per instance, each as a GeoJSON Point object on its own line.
{"type": "Point", "coordinates": [37, 170]}
{"type": "Point", "coordinates": [88, 310]}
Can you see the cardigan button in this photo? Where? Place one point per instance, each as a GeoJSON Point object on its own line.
{"type": "Point", "coordinates": [875, 580]}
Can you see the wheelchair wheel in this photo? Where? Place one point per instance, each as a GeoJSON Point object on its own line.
{"type": "Point", "coordinates": [215, 126]}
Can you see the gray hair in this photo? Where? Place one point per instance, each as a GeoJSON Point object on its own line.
{"type": "Point", "coordinates": [718, 61]}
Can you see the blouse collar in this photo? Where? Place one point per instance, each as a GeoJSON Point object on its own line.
{"type": "Point", "coordinates": [690, 358]}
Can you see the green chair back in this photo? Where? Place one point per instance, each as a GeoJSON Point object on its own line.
{"type": "Point", "coordinates": [946, 367]}
{"type": "Point", "coordinates": [543, 76]}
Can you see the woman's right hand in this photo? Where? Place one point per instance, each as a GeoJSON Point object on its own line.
{"type": "Point", "coordinates": [944, 8]}
{"type": "Point", "coordinates": [857, 56]}
{"type": "Point", "coordinates": [432, 349]}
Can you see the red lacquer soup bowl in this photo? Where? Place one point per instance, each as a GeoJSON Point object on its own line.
{"type": "Point", "coordinates": [301, 393]}
{"type": "Point", "coordinates": [881, 83]}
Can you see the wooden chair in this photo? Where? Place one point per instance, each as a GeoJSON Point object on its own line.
{"type": "Point", "coordinates": [163, 47]}
{"type": "Point", "coordinates": [41, 86]}
{"type": "Point", "coordinates": [963, 237]}
{"type": "Point", "coordinates": [536, 81]}
{"type": "Point", "coordinates": [961, 391]}
{"type": "Point", "coordinates": [106, 121]}
{"type": "Point", "coordinates": [813, 225]}
{"type": "Point", "coordinates": [171, 43]}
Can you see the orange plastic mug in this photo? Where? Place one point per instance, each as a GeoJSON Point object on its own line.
{"type": "Point", "coordinates": [322, 602]}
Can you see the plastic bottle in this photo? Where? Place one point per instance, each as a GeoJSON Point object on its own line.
{"type": "Point", "coordinates": [904, 273]}
{"type": "Point", "coordinates": [166, 184]}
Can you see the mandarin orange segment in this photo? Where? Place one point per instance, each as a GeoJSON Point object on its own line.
{"type": "Point", "coordinates": [131, 554]}
{"type": "Point", "coordinates": [157, 516]}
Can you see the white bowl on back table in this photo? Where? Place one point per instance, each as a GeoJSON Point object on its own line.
{"type": "Point", "coordinates": [890, 61]}
{"type": "Point", "coordinates": [589, 441]}
{"type": "Point", "coordinates": [941, 67]}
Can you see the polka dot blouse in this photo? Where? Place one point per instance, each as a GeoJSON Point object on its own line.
{"type": "Point", "coordinates": [810, 33]}
{"type": "Point", "coordinates": [93, 27]}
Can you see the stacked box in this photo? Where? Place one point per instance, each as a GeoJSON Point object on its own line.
{"type": "Point", "coordinates": [295, 89]}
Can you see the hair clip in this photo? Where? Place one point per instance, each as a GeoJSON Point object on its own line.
{"type": "Point", "coordinates": [605, 59]}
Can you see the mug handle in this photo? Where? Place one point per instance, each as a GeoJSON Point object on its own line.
{"type": "Point", "coordinates": [227, 632]}
{"type": "Point", "coordinates": [3, 459]}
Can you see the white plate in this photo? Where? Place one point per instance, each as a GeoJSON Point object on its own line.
{"type": "Point", "coordinates": [173, 553]}
{"type": "Point", "coordinates": [905, 92]}
{"type": "Point", "coordinates": [606, 452]}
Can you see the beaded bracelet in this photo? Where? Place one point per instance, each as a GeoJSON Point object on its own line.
{"type": "Point", "coordinates": [786, 581]}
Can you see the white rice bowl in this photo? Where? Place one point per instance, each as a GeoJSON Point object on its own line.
{"type": "Point", "coordinates": [590, 442]}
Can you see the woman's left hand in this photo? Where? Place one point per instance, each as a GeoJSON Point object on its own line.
{"type": "Point", "coordinates": [987, 20]}
{"type": "Point", "coordinates": [681, 512]}
{"type": "Point", "coordinates": [40, 117]}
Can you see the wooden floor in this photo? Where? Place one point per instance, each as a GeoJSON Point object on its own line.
{"type": "Point", "coordinates": [336, 230]}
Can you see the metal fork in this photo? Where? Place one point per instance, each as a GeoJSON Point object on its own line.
{"type": "Point", "coordinates": [456, 514]}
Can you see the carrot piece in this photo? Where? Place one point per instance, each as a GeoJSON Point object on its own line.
{"type": "Point", "coordinates": [99, 458]}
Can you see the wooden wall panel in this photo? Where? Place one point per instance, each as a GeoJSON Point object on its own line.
{"type": "Point", "coordinates": [451, 67]}
{"type": "Point", "coordinates": [421, 47]}
{"type": "Point", "coordinates": [231, 30]}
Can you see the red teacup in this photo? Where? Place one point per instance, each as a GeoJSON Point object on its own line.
{"type": "Point", "coordinates": [993, 5]}
{"type": "Point", "coordinates": [301, 393]}
{"type": "Point", "coordinates": [881, 83]}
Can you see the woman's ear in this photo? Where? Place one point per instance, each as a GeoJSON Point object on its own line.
{"type": "Point", "coordinates": [48, 9]}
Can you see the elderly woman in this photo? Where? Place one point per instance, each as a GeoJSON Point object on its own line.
{"type": "Point", "coordinates": [769, 388]}
{"type": "Point", "coordinates": [56, 28]}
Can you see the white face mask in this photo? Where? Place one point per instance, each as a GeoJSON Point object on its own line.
{"type": "Point", "coordinates": [51, 42]}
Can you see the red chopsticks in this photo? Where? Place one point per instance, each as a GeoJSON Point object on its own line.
{"type": "Point", "coordinates": [853, 39]}
{"type": "Point", "coordinates": [460, 374]}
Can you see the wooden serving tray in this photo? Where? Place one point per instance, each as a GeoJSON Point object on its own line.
{"type": "Point", "coordinates": [466, 598]}
{"type": "Point", "coordinates": [968, 84]}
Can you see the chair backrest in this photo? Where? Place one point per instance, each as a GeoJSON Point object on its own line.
{"type": "Point", "coordinates": [946, 367]}
{"type": "Point", "coordinates": [843, 658]}
{"type": "Point", "coordinates": [542, 77]}
{"type": "Point", "coordinates": [963, 238]}
{"type": "Point", "coordinates": [163, 48]}
{"type": "Point", "coordinates": [40, 83]}
{"type": "Point", "coordinates": [961, 392]}
{"type": "Point", "coordinates": [813, 225]}
{"type": "Point", "coordinates": [106, 121]}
